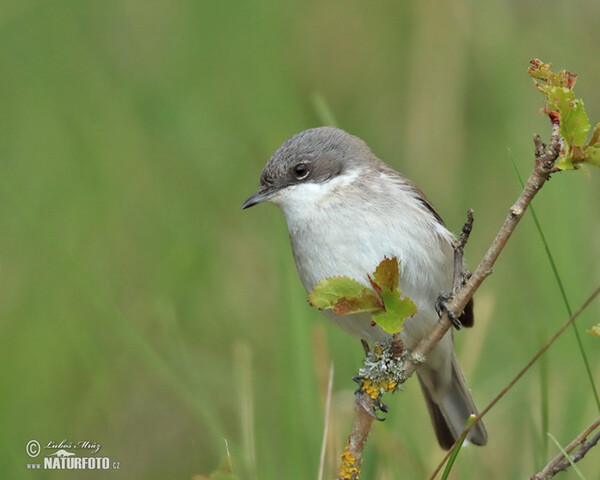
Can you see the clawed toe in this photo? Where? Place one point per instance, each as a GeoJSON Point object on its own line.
{"type": "Point", "coordinates": [441, 305]}
{"type": "Point", "coordinates": [371, 406]}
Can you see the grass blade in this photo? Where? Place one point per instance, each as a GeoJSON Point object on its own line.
{"type": "Point", "coordinates": [567, 456]}
{"type": "Point", "coordinates": [457, 449]}
{"type": "Point", "coordinates": [562, 292]}
{"type": "Point", "coordinates": [544, 400]}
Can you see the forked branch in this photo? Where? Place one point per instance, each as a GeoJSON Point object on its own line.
{"type": "Point", "coordinates": [560, 462]}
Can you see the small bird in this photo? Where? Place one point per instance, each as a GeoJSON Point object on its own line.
{"type": "Point", "coordinates": [346, 210]}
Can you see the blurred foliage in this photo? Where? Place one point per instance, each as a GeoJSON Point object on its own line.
{"type": "Point", "coordinates": [130, 281]}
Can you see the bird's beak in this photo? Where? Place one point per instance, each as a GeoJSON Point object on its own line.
{"type": "Point", "coordinates": [262, 194]}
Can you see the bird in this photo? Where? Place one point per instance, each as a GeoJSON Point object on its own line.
{"type": "Point", "coordinates": [346, 210]}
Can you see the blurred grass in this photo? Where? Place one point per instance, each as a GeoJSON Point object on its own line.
{"type": "Point", "coordinates": [131, 133]}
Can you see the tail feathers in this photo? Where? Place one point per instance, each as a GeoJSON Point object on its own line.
{"type": "Point", "coordinates": [450, 414]}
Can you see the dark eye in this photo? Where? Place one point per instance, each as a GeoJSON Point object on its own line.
{"type": "Point", "coordinates": [301, 171]}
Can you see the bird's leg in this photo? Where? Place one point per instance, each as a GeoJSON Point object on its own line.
{"type": "Point", "coordinates": [369, 404]}
{"type": "Point", "coordinates": [441, 305]}
{"type": "Point", "coordinates": [461, 275]}
{"type": "Point", "coordinates": [365, 346]}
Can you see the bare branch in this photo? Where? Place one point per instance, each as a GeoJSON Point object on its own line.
{"type": "Point", "coordinates": [558, 333]}
{"type": "Point", "coordinates": [560, 462]}
{"type": "Point", "coordinates": [543, 168]}
{"type": "Point", "coordinates": [364, 406]}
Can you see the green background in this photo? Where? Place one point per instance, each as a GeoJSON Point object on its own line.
{"type": "Point", "coordinates": [142, 310]}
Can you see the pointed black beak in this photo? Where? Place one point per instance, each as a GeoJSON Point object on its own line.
{"type": "Point", "coordinates": [262, 194]}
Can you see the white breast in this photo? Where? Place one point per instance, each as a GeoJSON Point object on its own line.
{"type": "Point", "coordinates": [344, 227]}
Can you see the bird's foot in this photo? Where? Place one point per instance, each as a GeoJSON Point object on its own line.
{"type": "Point", "coordinates": [370, 404]}
{"type": "Point", "coordinates": [441, 305]}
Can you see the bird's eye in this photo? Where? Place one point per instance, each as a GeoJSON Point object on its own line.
{"type": "Point", "coordinates": [300, 171]}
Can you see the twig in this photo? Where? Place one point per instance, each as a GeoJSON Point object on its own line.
{"type": "Point", "coordinates": [558, 333]}
{"type": "Point", "coordinates": [459, 248]}
{"type": "Point", "coordinates": [543, 168]}
{"type": "Point", "coordinates": [579, 454]}
{"type": "Point", "coordinates": [377, 376]}
{"type": "Point", "coordinates": [560, 462]}
{"type": "Point", "coordinates": [364, 406]}
{"type": "Point", "coordinates": [545, 158]}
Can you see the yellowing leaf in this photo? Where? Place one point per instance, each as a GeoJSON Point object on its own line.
{"type": "Point", "coordinates": [387, 274]}
{"type": "Point", "coordinates": [330, 289]}
{"type": "Point", "coordinates": [344, 296]}
{"type": "Point", "coordinates": [541, 71]}
{"type": "Point", "coordinates": [367, 302]}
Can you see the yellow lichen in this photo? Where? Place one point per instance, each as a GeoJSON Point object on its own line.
{"type": "Point", "coordinates": [372, 389]}
{"type": "Point", "coordinates": [595, 330]}
{"type": "Point", "coordinates": [376, 389]}
{"type": "Point", "coordinates": [388, 385]}
{"type": "Point", "coordinates": [348, 468]}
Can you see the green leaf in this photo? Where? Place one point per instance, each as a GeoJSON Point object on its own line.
{"type": "Point", "coordinates": [562, 108]}
{"type": "Point", "coordinates": [565, 163]}
{"type": "Point", "coordinates": [574, 123]}
{"type": "Point", "coordinates": [344, 296]}
{"type": "Point", "coordinates": [559, 98]}
{"type": "Point", "coordinates": [397, 309]}
{"type": "Point", "coordinates": [595, 135]}
{"type": "Point", "coordinates": [385, 281]}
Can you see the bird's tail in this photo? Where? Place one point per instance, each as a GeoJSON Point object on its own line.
{"type": "Point", "coordinates": [450, 412]}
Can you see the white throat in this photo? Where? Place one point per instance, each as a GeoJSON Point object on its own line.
{"type": "Point", "coordinates": [302, 202]}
